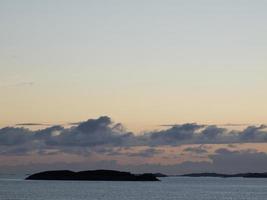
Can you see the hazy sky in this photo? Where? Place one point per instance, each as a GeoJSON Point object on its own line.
{"type": "Point", "coordinates": [142, 62]}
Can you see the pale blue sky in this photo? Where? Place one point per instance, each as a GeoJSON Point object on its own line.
{"type": "Point", "coordinates": [142, 62]}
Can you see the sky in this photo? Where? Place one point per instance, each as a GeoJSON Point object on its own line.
{"type": "Point", "coordinates": [140, 64]}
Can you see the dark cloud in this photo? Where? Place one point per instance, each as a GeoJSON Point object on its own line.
{"type": "Point", "coordinates": [129, 152]}
{"type": "Point", "coordinates": [231, 124]}
{"type": "Point", "coordinates": [15, 151]}
{"type": "Point", "coordinates": [174, 135]}
{"type": "Point", "coordinates": [74, 123]}
{"type": "Point", "coordinates": [32, 124]}
{"type": "Point", "coordinates": [81, 139]}
{"type": "Point", "coordinates": [10, 136]}
{"type": "Point", "coordinates": [150, 152]}
{"type": "Point", "coordinates": [212, 133]}
{"type": "Point", "coordinates": [254, 134]}
{"type": "Point", "coordinates": [232, 146]}
{"type": "Point", "coordinates": [200, 134]}
{"type": "Point", "coordinates": [103, 133]}
{"type": "Point", "coordinates": [94, 132]}
{"type": "Point", "coordinates": [223, 161]}
{"type": "Point", "coordinates": [249, 160]}
{"type": "Point", "coordinates": [197, 150]}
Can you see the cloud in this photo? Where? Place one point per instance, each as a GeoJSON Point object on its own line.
{"type": "Point", "coordinates": [173, 135]}
{"type": "Point", "coordinates": [93, 132]}
{"type": "Point", "coordinates": [81, 139]}
{"type": "Point", "coordinates": [249, 160]}
{"type": "Point", "coordinates": [150, 152]}
{"type": "Point", "coordinates": [254, 133]}
{"type": "Point", "coordinates": [32, 124]}
{"type": "Point", "coordinates": [222, 161]}
{"type": "Point", "coordinates": [99, 133]}
{"type": "Point", "coordinates": [233, 124]}
{"type": "Point", "coordinates": [74, 123]}
{"type": "Point", "coordinates": [197, 150]}
{"type": "Point", "coordinates": [130, 152]}
{"type": "Point", "coordinates": [10, 136]}
{"type": "Point", "coordinates": [201, 134]}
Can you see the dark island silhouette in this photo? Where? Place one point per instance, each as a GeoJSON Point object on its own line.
{"type": "Point", "coordinates": [160, 175]}
{"type": "Point", "coordinates": [94, 175]}
{"type": "Point", "coordinates": [241, 175]}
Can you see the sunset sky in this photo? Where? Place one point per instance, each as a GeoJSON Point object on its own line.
{"type": "Point", "coordinates": [131, 67]}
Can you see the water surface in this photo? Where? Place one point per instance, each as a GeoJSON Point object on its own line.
{"type": "Point", "coordinates": [173, 188]}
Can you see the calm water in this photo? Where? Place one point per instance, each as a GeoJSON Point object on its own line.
{"type": "Point", "coordinates": [174, 188]}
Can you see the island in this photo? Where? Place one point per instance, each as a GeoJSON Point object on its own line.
{"type": "Point", "coordinates": [160, 175]}
{"type": "Point", "coordinates": [93, 175]}
{"type": "Point", "coordinates": [241, 175]}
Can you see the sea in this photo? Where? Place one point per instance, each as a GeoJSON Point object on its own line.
{"type": "Point", "coordinates": [170, 188]}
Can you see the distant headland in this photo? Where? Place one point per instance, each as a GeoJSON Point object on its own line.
{"type": "Point", "coordinates": [94, 175]}
{"type": "Point", "coordinates": [242, 175]}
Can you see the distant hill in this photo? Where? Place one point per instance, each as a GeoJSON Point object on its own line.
{"type": "Point", "coordinates": [243, 175]}
{"type": "Point", "coordinates": [95, 175]}
{"type": "Point", "coordinates": [160, 175]}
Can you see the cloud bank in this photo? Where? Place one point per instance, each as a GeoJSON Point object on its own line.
{"type": "Point", "coordinates": [98, 133]}
{"type": "Point", "coordinates": [223, 161]}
